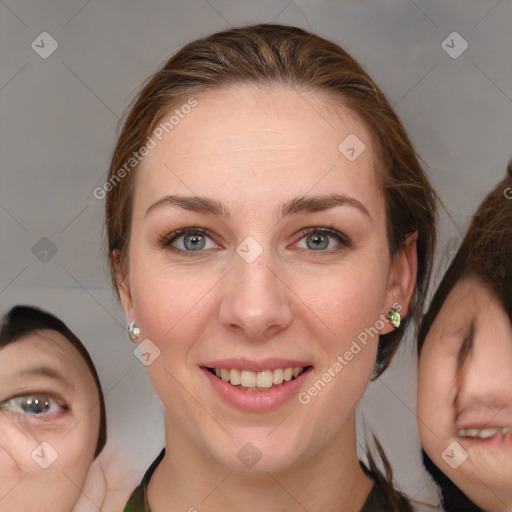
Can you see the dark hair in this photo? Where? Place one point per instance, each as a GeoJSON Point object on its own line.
{"type": "Point", "coordinates": [22, 321]}
{"type": "Point", "coordinates": [453, 499]}
{"type": "Point", "coordinates": [269, 54]}
{"type": "Point", "coordinates": [398, 501]}
{"type": "Point", "coordinates": [485, 254]}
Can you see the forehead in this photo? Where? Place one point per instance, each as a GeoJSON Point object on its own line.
{"type": "Point", "coordinates": [469, 300]}
{"type": "Point", "coordinates": [253, 118]}
{"type": "Point", "coordinates": [470, 292]}
{"type": "Point", "coordinates": [43, 347]}
{"type": "Point", "coordinates": [258, 145]}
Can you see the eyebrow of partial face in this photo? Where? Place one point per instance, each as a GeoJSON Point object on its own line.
{"type": "Point", "coordinates": [44, 371]}
{"type": "Point", "coordinates": [294, 206]}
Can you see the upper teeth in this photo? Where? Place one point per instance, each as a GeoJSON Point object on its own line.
{"type": "Point", "coordinates": [483, 433]}
{"type": "Point", "coordinates": [264, 379]}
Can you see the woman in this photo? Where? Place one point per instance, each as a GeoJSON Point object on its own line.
{"type": "Point", "coordinates": [268, 222]}
{"type": "Point", "coordinates": [52, 413]}
{"type": "Point", "coordinates": [464, 378]}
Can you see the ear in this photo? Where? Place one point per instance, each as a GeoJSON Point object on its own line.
{"type": "Point", "coordinates": [123, 287]}
{"type": "Point", "coordinates": [402, 280]}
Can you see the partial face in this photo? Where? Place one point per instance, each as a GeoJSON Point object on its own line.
{"type": "Point", "coordinates": [251, 306]}
{"type": "Point", "coordinates": [49, 423]}
{"type": "Point", "coordinates": [465, 424]}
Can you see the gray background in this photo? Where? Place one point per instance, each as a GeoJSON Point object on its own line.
{"type": "Point", "coordinates": [58, 119]}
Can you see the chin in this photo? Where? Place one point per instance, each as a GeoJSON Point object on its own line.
{"type": "Point", "coordinates": [256, 455]}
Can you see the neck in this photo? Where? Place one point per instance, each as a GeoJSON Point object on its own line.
{"type": "Point", "coordinates": [189, 479]}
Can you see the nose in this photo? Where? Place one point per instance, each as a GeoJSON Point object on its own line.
{"type": "Point", "coordinates": [256, 301]}
{"type": "Point", "coordinates": [486, 376]}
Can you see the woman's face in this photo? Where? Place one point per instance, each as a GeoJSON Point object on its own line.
{"type": "Point", "coordinates": [465, 423]}
{"type": "Point", "coordinates": [49, 423]}
{"type": "Point", "coordinates": [227, 274]}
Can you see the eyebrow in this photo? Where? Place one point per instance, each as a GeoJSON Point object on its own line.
{"type": "Point", "coordinates": [294, 206]}
{"type": "Point", "coordinates": [44, 371]}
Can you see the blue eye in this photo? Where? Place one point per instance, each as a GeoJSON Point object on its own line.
{"type": "Point", "coordinates": [195, 240]}
{"type": "Point", "coordinates": [318, 239]}
{"type": "Point", "coordinates": [189, 240]}
{"type": "Point", "coordinates": [36, 405]}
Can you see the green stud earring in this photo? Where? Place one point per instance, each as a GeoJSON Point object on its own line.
{"type": "Point", "coordinates": [394, 317]}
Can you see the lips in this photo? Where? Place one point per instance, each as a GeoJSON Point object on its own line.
{"type": "Point", "coordinates": [256, 385]}
{"type": "Point", "coordinates": [483, 416]}
{"type": "Point", "coordinates": [256, 366]}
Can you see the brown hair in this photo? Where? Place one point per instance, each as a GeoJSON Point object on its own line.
{"type": "Point", "coordinates": [21, 321]}
{"type": "Point", "coordinates": [270, 54]}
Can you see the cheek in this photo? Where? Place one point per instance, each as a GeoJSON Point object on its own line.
{"type": "Point", "coordinates": [170, 305]}
{"type": "Point", "coordinates": [15, 449]}
{"type": "Point", "coordinates": [75, 453]}
{"type": "Point", "coordinates": [29, 485]}
{"type": "Point", "coordinates": [343, 312]}
{"type": "Point", "coordinates": [21, 445]}
{"type": "Point", "coordinates": [75, 443]}
{"type": "Point", "coordinates": [436, 395]}
{"type": "Point", "coordinates": [347, 299]}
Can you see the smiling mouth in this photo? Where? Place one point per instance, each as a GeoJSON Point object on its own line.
{"type": "Point", "coordinates": [484, 433]}
{"type": "Point", "coordinates": [247, 380]}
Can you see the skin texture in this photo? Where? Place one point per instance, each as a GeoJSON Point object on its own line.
{"type": "Point", "coordinates": [72, 433]}
{"type": "Point", "coordinates": [254, 149]}
{"type": "Point", "coordinates": [110, 481]}
{"type": "Point", "coordinates": [482, 396]}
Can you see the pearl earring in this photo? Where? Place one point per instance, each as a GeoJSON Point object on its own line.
{"type": "Point", "coordinates": [133, 332]}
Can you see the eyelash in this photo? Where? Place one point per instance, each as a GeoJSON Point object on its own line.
{"type": "Point", "coordinates": [42, 397]}
{"type": "Point", "coordinates": [330, 230]}
{"type": "Point", "coordinates": [167, 240]}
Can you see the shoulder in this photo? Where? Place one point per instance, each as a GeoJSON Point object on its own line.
{"type": "Point", "coordinates": [137, 501]}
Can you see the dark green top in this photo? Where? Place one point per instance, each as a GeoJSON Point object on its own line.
{"type": "Point", "coordinates": [376, 501]}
